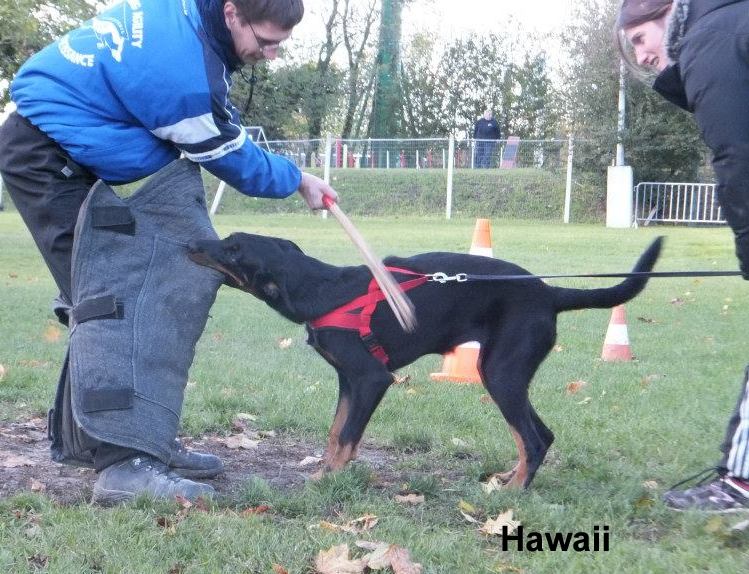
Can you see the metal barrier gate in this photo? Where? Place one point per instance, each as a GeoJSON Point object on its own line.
{"type": "Point", "coordinates": [676, 203]}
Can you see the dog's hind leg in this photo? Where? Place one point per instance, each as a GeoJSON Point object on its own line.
{"type": "Point", "coordinates": [509, 359]}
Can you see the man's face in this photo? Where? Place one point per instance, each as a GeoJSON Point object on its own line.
{"type": "Point", "coordinates": [253, 41]}
{"type": "Point", "coordinates": [487, 115]}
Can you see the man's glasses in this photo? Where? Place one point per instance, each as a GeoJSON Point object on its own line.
{"type": "Point", "coordinates": [263, 44]}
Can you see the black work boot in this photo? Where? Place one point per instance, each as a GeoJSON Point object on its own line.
{"type": "Point", "coordinates": [129, 478]}
{"type": "Point", "coordinates": [193, 464]}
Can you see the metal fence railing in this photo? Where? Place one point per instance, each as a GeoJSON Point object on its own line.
{"type": "Point", "coordinates": [527, 179]}
{"type": "Point", "coordinates": [676, 203]}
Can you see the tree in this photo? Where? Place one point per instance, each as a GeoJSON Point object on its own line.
{"type": "Point", "coordinates": [27, 26]}
{"type": "Point", "coordinates": [387, 107]}
{"type": "Point", "coordinates": [445, 91]}
{"type": "Point", "coordinates": [661, 142]}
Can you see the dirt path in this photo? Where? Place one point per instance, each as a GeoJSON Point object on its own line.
{"type": "Point", "coordinates": [25, 464]}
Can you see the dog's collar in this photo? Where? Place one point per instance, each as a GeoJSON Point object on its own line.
{"type": "Point", "coordinates": [356, 315]}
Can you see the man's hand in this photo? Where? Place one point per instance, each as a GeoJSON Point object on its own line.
{"type": "Point", "coordinates": [312, 189]}
{"type": "Point", "coordinates": [742, 252]}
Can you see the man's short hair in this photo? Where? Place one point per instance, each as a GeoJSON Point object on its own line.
{"type": "Point", "coordinates": [283, 13]}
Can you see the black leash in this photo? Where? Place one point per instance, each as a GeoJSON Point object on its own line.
{"type": "Point", "coordinates": [464, 277]}
{"type": "Point", "coordinates": [252, 80]}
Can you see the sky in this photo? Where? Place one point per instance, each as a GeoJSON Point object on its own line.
{"type": "Point", "coordinates": [451, 18]}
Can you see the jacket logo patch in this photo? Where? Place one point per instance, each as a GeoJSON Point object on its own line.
{"type": "Point", "coordinates": [108, 31]}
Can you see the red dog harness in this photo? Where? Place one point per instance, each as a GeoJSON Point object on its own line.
{"type": "Point", "coordinates": [356, 315]}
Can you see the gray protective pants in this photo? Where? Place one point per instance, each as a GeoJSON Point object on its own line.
{"type": "Point", "coordinates": [139, 303]}
{"type": "Point", "coordinates": [139, 307]}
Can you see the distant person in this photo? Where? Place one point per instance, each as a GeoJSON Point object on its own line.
{"type": "Point", "coordinates": [697, 52]}
{"type": "Point", "coordinates": [486, 133]}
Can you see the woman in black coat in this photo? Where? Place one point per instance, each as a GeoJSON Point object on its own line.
{"type": "Point", "coordinates": [697, 54]}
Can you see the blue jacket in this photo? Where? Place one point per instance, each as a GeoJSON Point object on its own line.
{"type": "Point", "coordinates": [140, 83]}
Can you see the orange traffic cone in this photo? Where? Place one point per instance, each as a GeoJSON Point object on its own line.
{"type": "Point", "coordinates": [616, 345]}
{"type": "Point", "coordinates": [460, 364]}
{"type": "Point", "coordinates": [482, 239]}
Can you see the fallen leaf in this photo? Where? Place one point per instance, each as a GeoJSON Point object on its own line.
{"type": "Point", "coordinates": [486, 399]}
{"type": "Point", "coordinates": [13, 275]}
{"type": "Point", "coordinates": [38, 561]}
{"type": "Point", "coordinates": [742, 526]}
{"type": "Point", "coordinates": [37, 486]}
{"type": "Point", "coordinates": [357, 526]}
{"type": "Point", "coordinates": [412, 499]}
{"type": "Point", "coordinates": [412, 392]}
{"type": "Point", "coordinates": [218, 336]}
{"type": "Point", "coordinates": [494, 484]}
{"type": "Point", "coordinates": [310, 460]}
{"type": "Point", "coordinates": [677, 301]}
{"type": "Point", "coordinates": [401, 563]}
{"type": "Point", "coordinates": [266, 434]}
{"type": "Point", "coordinates": [645, 320]}
{"type": "Point", "coordinates": [177, 568]}
{"type": "Point", "coordinates": [246, 417]}
{"type": "Point", "coordinates": [336, 561]}
{"type": "Point", "coordinates": [385, 555]}
{"type": "Point", "coordinates": [558, 348]}
{"type": "Point", "coordinates": [714, 525]}
{"type": "Point", "coordinates": [585, 401]}
{"type": "Point", "coordinates": [499, 524]}
{"type": "Point", "coordinates": [2, 372]}
{"type": "Point", "coordinates": [238, 425]}
{"type": "Point", "coordinates": [575, 387]}
{"type": "Point", "coordinates": [466, 507]}
{"type": "Point", "coordinates": [278, 569]}
{"type": "Point", "coordinates": [469, 518]}
{"type": "Point", "coordinates": [285, 343]}
{"type": "Point", "coordinates": [401, 379]}
{"type": "Point", "coordinates": [15, 461]}
{"type": "Point", "coordinates": [650, 484]}
{"type": "Point", "coordinates": [378, 558]}
{"type": "Point", "coordinates": [255, 510]}
{"type": "Point", "coordinates": [240, 441]}
{"type": "Point", "coordinates": [460, 443]}
{"type": "Point", "coordinates": [52, 334]}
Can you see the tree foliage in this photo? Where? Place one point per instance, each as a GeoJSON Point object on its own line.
{"type": "Point", "coordinates": [661, 141]}
{"type": "Point", "coordinates": [447, 88]}
{"type": "Point", "coordinates": [26, 26]}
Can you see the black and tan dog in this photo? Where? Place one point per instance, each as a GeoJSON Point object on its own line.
{"type": "Point", "coordinates": [356, 332]}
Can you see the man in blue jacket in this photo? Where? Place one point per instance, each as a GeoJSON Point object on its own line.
{"type": "Point", "coordinates": [486, 133]}
{"type": "Point", "coordinates": [117, 100]}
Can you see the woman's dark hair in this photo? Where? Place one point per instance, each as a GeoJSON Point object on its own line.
{"type": "Point", "coordinates": [283, 13]}
{"type": "Point", "coordinates": [633, 13]}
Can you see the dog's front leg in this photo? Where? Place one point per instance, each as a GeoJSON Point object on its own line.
{"type": "Point", "coordinates": [359, 398]}
{"type": "Point", "coordinates": [341, 415]}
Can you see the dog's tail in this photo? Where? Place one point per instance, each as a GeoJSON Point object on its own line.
{"type": "Point", "coordinates": [569, 299]}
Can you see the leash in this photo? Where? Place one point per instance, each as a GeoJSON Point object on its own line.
{"type": "Point", "coordinates": [443, 278]}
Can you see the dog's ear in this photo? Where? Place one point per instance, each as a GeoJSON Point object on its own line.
{"type": "Point", "coordinates": [287, 245]}
{"type": "Point", "coordinates": [269, 287]}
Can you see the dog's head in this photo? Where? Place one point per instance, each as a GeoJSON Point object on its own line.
{"type": "Point", "coordinates": [253, 263]}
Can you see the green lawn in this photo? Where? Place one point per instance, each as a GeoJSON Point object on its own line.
{"type": "Point", "coordinates": [634, 429]}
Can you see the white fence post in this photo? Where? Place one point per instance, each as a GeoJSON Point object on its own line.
{"type": "Point", "coordinates": [326, 169]}
{"type": "Point", "coordinates": [568, 188]}
{"type": "Point", "coordinates": [450, 169]}
{"type": "Point", "coordinates": [217, 198]}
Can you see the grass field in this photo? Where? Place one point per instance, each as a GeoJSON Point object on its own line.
{"type": "Point", "coordinates": [631, 432]}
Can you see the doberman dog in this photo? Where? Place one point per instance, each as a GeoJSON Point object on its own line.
{"type": "Point", "coordinates": [513, 320]}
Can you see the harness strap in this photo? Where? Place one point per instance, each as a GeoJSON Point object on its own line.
{"type": "Point", "coordinates": [356, 315]}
